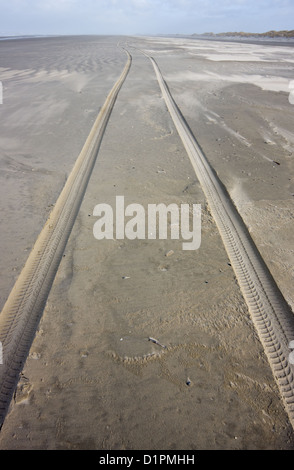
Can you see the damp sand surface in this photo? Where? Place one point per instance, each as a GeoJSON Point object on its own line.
{"type": "Point", "coordinates": [93, 378]}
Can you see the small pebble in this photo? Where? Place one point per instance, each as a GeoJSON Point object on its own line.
{"type": "Point", "coordinates": [169, 253]}
{"type": "Point", "coordinates": [84, 353]}
{"type": "Point", "coordinates": [163, 268]}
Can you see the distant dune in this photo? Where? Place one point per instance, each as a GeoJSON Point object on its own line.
{"type": "Point", "coordinates": [269, 34]}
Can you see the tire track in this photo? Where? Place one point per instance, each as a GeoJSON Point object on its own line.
{"type": "Point", "coordinates": [23, 309]}
{"type": "Point", "coordinates": [271, 315]}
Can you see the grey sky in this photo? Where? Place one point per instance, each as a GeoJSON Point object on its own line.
{"type": "Point", "coordinates": [143, 16]}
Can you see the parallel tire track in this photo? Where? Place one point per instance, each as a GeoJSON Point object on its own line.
{"type": "Point", "coordinates": [271, 315]}
{"type": "Point", "coordinates": [21, 313]}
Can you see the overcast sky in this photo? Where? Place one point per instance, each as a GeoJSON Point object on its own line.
{"type": "Point", "coordinates": [143, 16]}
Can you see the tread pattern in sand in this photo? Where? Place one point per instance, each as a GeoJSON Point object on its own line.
{"type": "Point", "coordinates": [23, 309]}
{"type": "Point", "coordinates": [272, 316]}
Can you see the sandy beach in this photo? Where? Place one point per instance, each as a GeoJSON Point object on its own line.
{"type": "Point", "coordinates": [92, 378]}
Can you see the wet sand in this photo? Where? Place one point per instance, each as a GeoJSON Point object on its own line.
{"type": "Point", "coordinates": [92, 379]}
